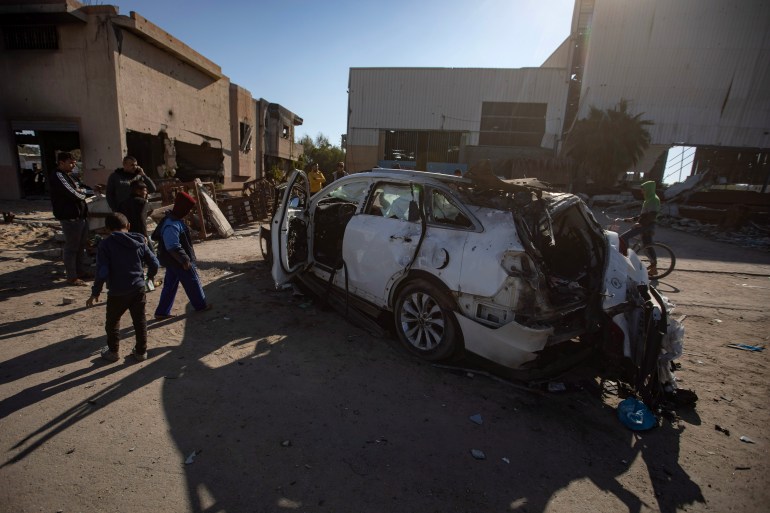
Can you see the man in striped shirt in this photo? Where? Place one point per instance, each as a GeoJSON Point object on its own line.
{"type": "Point", "coordinates": [69, 207]}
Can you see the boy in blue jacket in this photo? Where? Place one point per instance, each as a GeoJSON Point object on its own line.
{"type": "Point", "coordinates": [119, 262]}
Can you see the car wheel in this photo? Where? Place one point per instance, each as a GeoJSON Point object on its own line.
{"type": "Point", "coordinates": [425, 324]}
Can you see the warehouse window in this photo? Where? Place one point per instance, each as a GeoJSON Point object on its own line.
{"type": "Point", "coordinates": [33, 37]}
{"type": "Point", "coordinates": [427, 146]}
{"type": "Point", "coordinates": [512, 124]}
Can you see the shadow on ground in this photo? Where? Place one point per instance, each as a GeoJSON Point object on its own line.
{"type": "Point", "coordinates": [287, 406]}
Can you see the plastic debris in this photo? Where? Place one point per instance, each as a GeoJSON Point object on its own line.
{"type": "Point", "coordinates": [555, 386]}
{"type": "Point", "coordinates": [476, 419]}
{"type": "Point", "coordinates": [306, 305]}
{"type": "Point", "coordinates": [38, 303]}
{"type": "Point", "coordinates": [635, 415]}
{"type": "Point", "coordinates": [721, 429]}
{"type": "Point", "coordinates": [746, 439]}
{"type": "Point", "coordinates": [746, 347]}
{"type": "Point", "coordinates": [478, 454]}
{"type": "Point", "coordinates": [286, 443]}
{"type": "Point", "coordinates": [67, 300]}
{"type": "Point", "coordinates": [191, 458]}
{"type": "Point", "coordinates": [507, 460]}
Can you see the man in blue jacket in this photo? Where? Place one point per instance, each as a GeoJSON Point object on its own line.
{"type": "Point", "coordinates": [176, 254]}
{"type": "Point", "coordinates": [119, 263]}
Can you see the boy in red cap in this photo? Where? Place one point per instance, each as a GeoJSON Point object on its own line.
{"type": "Point", "coordinates": [175, 253]}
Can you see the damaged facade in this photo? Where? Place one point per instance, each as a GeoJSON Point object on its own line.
{"type": "Point", "coordinates": [702, 81]}
{"type": "Point", "coordinates": [88, 79]}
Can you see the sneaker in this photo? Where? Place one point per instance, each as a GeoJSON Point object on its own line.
{"type": "Point", "coordinates": [206, 308]}
{"type": "Point", "coordinates": [110, 356]}
{"type": "Point", "coordinates": [139, 357]}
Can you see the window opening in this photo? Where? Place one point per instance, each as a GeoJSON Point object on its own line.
{"type": "Point", "coordinates": [31, 37]}
{"type": "Point", "coordinates": [512, 124]}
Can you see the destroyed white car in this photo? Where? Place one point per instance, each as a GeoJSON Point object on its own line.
{"type": "Point", "coordinates": [520, 276]}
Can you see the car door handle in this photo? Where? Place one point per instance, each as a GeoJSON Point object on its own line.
{"type": "Point", "coordinates": [405, 239]}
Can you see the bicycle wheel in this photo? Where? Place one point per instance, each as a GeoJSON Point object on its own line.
{"type": "Point", "coordinates": [666, 260]}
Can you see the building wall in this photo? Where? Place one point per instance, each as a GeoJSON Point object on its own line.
{"type": "Point", "coordinates": [447, 99]}
{"type": "Point", "coordinates": [160, 92]}
{"type": "Point", "coordinates": [73, 84]}
{"type": "Point", "coordinates": [699, 69]}
{"type": "Point", "coordinates": [244, 157]}
{"type": "Point", "coordinates": [117, 74]}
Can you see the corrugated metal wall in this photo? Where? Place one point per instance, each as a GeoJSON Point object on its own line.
{"type": "Point", "coordinates": [446, 99]}
{"type": "Point", "coordinates": [699, 69]}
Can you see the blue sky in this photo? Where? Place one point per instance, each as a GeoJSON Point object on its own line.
{"type": "Point", "coordinates": [298, 52]}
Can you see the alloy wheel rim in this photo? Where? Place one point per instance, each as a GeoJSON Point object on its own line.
{"type": "Point", "coordinates": [422, 321]}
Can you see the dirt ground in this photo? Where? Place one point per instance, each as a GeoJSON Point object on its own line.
{"type": "Point", "coordinates": [271, 402]}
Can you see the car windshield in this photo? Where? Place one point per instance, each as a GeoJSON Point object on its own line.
{"type": "Point", "coordinates": [350, 191]}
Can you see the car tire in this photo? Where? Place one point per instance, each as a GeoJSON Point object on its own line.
{"type": "Point", "coordinates": [425, 322]}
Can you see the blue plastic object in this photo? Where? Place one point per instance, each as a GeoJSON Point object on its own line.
{"type": "Point", "coordinates": [635, 415]}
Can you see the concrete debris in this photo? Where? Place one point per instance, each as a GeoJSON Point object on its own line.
{"type": "Point", "coordinates": [752, 236]}
{"type": "Point", "coordinates": [478, 454]}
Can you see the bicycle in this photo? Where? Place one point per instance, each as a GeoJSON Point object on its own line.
{"type": "Point", "coordinates": [666, 259]}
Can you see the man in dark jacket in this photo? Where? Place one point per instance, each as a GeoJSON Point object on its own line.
{"type": "Point", "coordinates": [175, 253]}
{"type": "Point", "coordinates": [69, 207]}
{"type": "Point", "coordinates": [136, 209]}
{"type": "Point", "coordinates": [119, 182]}
{"type": "Point", "coordinates": [120, 264]}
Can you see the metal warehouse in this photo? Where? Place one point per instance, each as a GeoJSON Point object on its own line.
{"type": "Point", "coordinates": [698, 69]}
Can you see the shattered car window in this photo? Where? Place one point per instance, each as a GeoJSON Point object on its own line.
{"type": "Point", "coordinates": [444, 211]}
{"type": "Point", "coordinates": [393, 201]}
{"type": "Point", "coordinates": [350, 191]}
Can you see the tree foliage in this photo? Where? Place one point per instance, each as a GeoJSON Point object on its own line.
{"type": "Point", "coordinates": [608, 143]}
{"type": "Point", "coordinates": [320, 151]}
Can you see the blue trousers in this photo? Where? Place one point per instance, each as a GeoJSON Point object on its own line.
{"type": "Point", "coordinates": [191, 285]}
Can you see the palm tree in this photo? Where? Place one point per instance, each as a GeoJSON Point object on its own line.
{"type": "Point", "coordinates": [607, 143]}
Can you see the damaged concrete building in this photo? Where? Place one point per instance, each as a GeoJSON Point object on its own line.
{"type": "Point", "coordinates": [87, 79]}
{"type": "Point", "coordinates": [698, 69]}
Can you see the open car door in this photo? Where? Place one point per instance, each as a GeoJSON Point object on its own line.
{"type": "Point", "coordinates": [289, 230]}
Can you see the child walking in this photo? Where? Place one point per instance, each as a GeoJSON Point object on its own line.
{"type": "Point", "coordinates": [119, 264]}
{"type": "Point", "coordinates": [176, 254]}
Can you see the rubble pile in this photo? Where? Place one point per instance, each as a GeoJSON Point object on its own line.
{"type": "Point", "coordinates": [750, 236]}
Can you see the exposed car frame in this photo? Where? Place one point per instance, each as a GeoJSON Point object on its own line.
{"type": "Point", "coordinates": [521, 276]}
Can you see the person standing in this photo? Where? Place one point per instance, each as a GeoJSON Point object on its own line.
{"type": "Point", "coordinates": [136, 209]}
{"type": "Point", "coordinates": [340, 171]}
{"type": "Point", "coordinates": [120, 264]}
{"type": "Point", "coordinates": [646, 222]}
{"type": "Point", "coordinates": [119, 182]}
{"type": "Point", "coordinates": [317, 179]}
{"type": "Point", "coordinates": [176, 254]}
{"type": "Point", "coordinates": [69, 207]}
